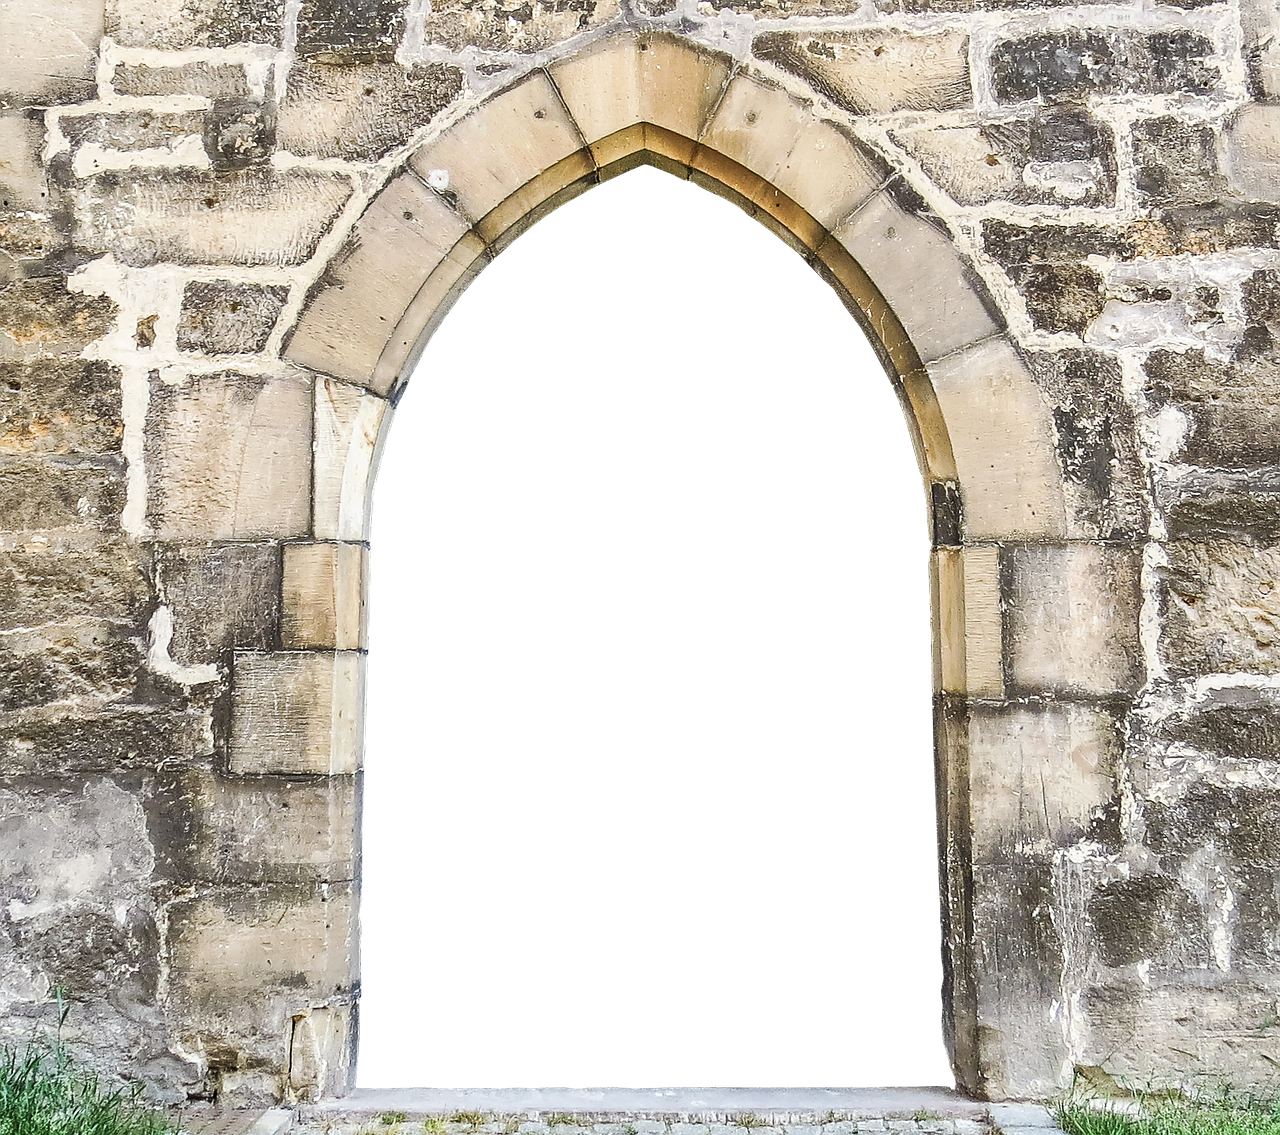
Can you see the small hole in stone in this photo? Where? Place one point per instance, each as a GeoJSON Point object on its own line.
{"type": "Point", "coordinates": [408, 216]}
{"type": "Point", "coordinates": [752, 116]}
{"type": "Point", "coordinates": [539, 114]}
{"type": "Point", "coordinates": [368, 90]}
{"type": "Point", "coordinates": [210, 202]}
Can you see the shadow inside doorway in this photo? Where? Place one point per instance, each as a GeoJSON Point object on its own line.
{"type": "Point", "coordinates": [649, 772]}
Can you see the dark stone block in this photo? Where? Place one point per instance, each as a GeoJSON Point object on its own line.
{"type": "Point", "coordinates": [41, 318]}
{"type": "Point", "coordinates": [1231, 435]}
{"type": "Point", "coordinates": [1148, 918]}
{"type": "Point", "coordinates": [1238, 724]}
{"type": "Point", "coordinates": [1032, 244]}
{"type": "Point", "coordinates": [39, 496]}
{"type": "Point", "coordinates": [239, 133]}
{"type": "Point", "coordinates": [1060, 297]}
{"type": "Point", "coordinates": [222, 596]}
{"type": "Point", "coordinates": [48, 586]}
{"type": "Point", "coordinates": [1072, 65]}
{"type": "Point", "coordinates": [208, 80]}
{"type": "Point", "coordinates": [348, 31]}
{"type": "Point", "coordinates": [197, 23]}
{"type": "Point", "coordinates": [113, 738]}
{"type": "Point", "coordinates": [69, 406]}
{"type": "Point", "coordinates": [1175, 161]}
{"type": "Point", "coordinates": [1240, 506]}
{"type": "Point", "coordinates": [222, 317]}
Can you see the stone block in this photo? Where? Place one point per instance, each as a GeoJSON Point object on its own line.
{"type": "Point", "coordinates": [1062, 156]}
{"type": "Point", "coordinates": [764, 129]}
{"type": "Point", "coordinates": [322, 1053]}
{"type": "Point", "coordinates": [1227, 504]}
{"type": "Point", "coordinates": [51, 52]}
{"type": "Point", "coordinates": [194, 23]}
{"type": "Point", "coordinates": [86, 660]}
{"type": "Point", "coordinates": [1075, 64]}
{"type": "Point", "coordinates": [297, 712]}
{"type": "Point", "coordinates": [1175, 161]}
{"type": "Point", "coordinates": [1147, 918]}
{"type": "Point", "coordinates": [350, 31]}
{"type": "Point", "coordinates": [324, 596]}
{"type": "Point", "coordinates": [1071, 618]}
{"type": "Point", "coordinates": [1251, 152]}
{"type": "Point", "coordinates": [360, 112]}
{"type": "Point", "coordinates": [876, 72]}
{"type": "Point", "coordinates": [497, 149]}
{"type": "Point", "coordinates": [269, 829]}
{"type": "Point", "coordinates": [914, 263]}
{"type": "Point", "coordinates": [195, 216]}
{"type": "Point", "coordinates": [60, 407]}
{"type": "Point", "coordinates": [239, 133]}
{"type": "Point", "coordinates": [40, 319]}
{"type": "Point", "coordinates": [654, 78]}
{"type": "Point", "coordinates": [1001, 433]}
{"type": "Point", "coordinates": [1238, 723]}
{"type": "Point", "coordinates": [22, 179]}
{"type": "Point", "coordinates": [348, 429]}
{"type": "Point", "coordinates": [229, 457]}
{"type": "Point", "coordinates": [226, 317]}
{"type": "Point", "coordinates": [1221, 609]}
{"type": "Point", "coordinates": [44, 496]}
{"type": "Point", "coordinates": [221, 596]}
{"type": "Point", "coordinates": [1039, 775]}
{"type": "Point", "coordinates": [42, 586]}
{"type": "Point", "coordinates": [967, 582]}
{"type": "Point", "coordinates": [131, 129]}
{"type": "Point", "coordinates": [512, 26]}
{"type": "Point", "coordinates": [203, 79]}
{"type": "Point", "coordinates": [404, 236]}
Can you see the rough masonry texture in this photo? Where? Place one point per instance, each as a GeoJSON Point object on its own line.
{"type": "Point", "coordinates": [228, 226]}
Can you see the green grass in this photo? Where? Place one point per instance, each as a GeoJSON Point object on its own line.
{"type": "Point", "coordinates": [1163, 1116]}
{"type": "Point", "coordinates": [43, 1092]}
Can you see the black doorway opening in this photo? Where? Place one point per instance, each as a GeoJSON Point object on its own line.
{"type": "Point", "coordinates": [649, 760]}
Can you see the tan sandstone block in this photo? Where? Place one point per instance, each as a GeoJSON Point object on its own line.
{"type": "Point", "coordinates": [916, 266]}
{"type": "Point", "coordinates": [1002, 436]}
{"type": "Point", "coordinates": [398, 242]}
{"type": "Point", "coordinates": [499, 147]}
{"type": "Point", "coordinates": [323, 601]}
{"type": "Point", "coordinates": [655, 79]}
{"type": "Point", "coordinates": [1038, 774]}
{"type": "Point", "coordinates": [1071, 617]}
{"type": "Point", "coordinates": [348, 426]}
{"type": "Point", "coordinates": [297, 712]}
{"type": "Point", "coordinates": [970, 639]}
{"type": "Point", "coordinates": [322, 1052]}
{"type": "Point", "coordinates": [229, 456]}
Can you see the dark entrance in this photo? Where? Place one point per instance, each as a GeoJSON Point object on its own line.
{"type": "Point", "coordinates": [649, 736]}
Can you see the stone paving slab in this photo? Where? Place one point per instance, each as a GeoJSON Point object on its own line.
{"type": "Point", "coordinates": [212, 1121]}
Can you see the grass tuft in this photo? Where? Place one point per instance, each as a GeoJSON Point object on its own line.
{"type": "Point", "coordinates": [1166, 1116]}
{"type": "Point", "coordinates": [43, 1092]}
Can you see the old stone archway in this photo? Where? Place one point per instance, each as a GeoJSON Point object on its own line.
{"type": "Point", "coordinates": [620, 600]}
{"type": "Point", "coordinates": [228, 231]}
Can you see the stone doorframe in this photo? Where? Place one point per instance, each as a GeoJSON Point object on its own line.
{"type": "Point", "coordinates": [1034, 622]}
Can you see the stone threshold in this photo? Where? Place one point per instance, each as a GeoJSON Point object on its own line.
{"type": "Point", "coordinates": [656, 1111]}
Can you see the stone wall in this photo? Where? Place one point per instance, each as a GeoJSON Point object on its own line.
{"type": "Point", "coordinates": [226, 226]}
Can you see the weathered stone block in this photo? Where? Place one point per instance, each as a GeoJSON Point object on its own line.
{"type": "Point", "coordinates": [912, 260]}
{"type": "Point", "coordinates": [204, 79]}
{"type": "Point", "coordinates": [322, 1052]}
{"type": "Point", "coordinates": [507, 25]}
{"type": "Point", "coordinates": [1239, 723]}
{"type": "Point", "coordinates": [251, 216]}
{"type": "Point", "coordinates": [348, 428]}
{"type": "Point", "coordinates": [876, 72]}
{"type": "Point", "coordinates": [22, 180]}
{"type": "Point", "coordinates": [404, 235]}
{"type": "Point", "coordinates": [1221, 609]}
{"type": "Point", "coordinates": [1062, 157]}
{"type": "Point", "coordinates": [239, 133]}
{"type": "Point", "coordinates": [1072, 65]}
{"type": "Point", "coordinates": [132, 129]}
{"type": "Point", "coordinates": [969, 639]}
{"type": "Point", "coordinates": [45, 586]}
{"type": "Point", "coordinates": [60, 407]}
{"type": "Point", "coordinates": [51, 53]}
{"type": "Point", "coordinates": [42, 496]}
{"type": "Point", "coordinates": [41, 319]}
{"type": "Point", "coordinates": [1071, 618]}
{"type": "Point", "coordinates": [270, 829]}
{"type": "Point", "coordinates": [297, 712]}
{"type": "Point", "coordinates": [324, 596]}
{"type": "Point", "coordinates": [1251, 152]}
{"type": "Point", "coordinates": [1236, 505]}
{"type": "Point", "coordinates": [1175, 161]}
{"type": "Point", "coordinates": [1148, 918]}
{"type": "Point", "coordinates": [1039, 775]}
{"type": "Point", "coordinates": [229, 457]}
{"type": "Point", "coordinates": [225, 317]}
{"type": "Point", "coordinates": [1001, 434]}
{"type": "Point", "coordinates": [341, 31]}
{"type": "Point", "coordinates": [220, 596]}
{"type": "Point", "coordinates": [194, 23]}
{"type": "Point", "coordinates": [85, 660]}
{"type": "Point", "coordinates": [360, 112]}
